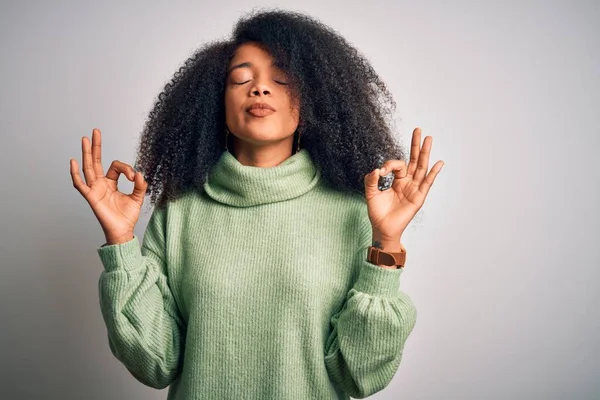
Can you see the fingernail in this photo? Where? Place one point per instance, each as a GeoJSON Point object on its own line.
{"type": "Point", "coordinates": [382, 170]}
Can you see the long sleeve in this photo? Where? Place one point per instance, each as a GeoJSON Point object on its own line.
{"type": "Point", "coordinates": [144, 325]}
{"type": "Point", "coordinates": [364, 348]}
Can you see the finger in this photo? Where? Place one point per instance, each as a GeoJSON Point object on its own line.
{"type": "Point", "coordinates": [423, 163]}
{"type": "Point", "coordinates": [372, 181]}
{"type": "Point", "coordinates": [78, 183]}
{"type": "Point", "coordinates": [117, 168]}
{"type": "Point", "coordinates": [430, 178]}
{"type": "Point", "coordinates": [139, 187]}
{"type": "Point", "coordinates": [396, 166]}
{"type": "Point", "coordinates": [88, 170]}
{"type": "Point", "coordinates": [97, 152]}
{"type": "Point", "coordinates": [415, 148]}
{"type": "Point", "coordinates": [371, 178]}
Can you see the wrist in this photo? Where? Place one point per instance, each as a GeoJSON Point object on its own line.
{"type": "Point", "coordinates": [119, 240]}
{"type": "Point", "coordinates": [386, 244]}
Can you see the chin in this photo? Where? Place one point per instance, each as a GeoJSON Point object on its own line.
{"type": "Point", "coordinates": [259, 135]}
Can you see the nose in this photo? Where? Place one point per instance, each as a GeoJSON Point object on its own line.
{"type": "Point", "coordinates": [258, 91]}
{"type": "Point", "coordinates": [260, 88]}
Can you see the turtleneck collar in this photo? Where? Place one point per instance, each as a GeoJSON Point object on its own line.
{"type": "Point", "coordinates": [238, 185]}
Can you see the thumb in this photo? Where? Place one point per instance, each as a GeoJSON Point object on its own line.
{"type": "Point", "coordinates": [371, 179]}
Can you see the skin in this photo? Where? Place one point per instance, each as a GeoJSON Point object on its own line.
{"type": "Point", "coordinates": [252, 77]}
{"type": "Point", "coordinates": [261, 142]}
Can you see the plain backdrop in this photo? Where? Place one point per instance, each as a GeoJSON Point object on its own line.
{"type": "Point", "coordinates": [503, 257]}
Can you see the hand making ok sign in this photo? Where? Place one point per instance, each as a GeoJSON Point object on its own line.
{"type": "Point", "coordinates": [392, 209]}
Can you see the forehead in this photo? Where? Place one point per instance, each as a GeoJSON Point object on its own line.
{"type": "Point", "coordinates": [251, 52]}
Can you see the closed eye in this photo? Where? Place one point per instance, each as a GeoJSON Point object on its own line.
{"type": "Point", "coordinates": [241, 83]}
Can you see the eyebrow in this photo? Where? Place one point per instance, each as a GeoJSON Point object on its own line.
{"type": "Point", "coordinates": [242, 65]}
{"type": "Point", "coordinates": [247, 64]}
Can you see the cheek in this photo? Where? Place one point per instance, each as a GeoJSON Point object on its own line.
{"type": "Point", "coordinates": [292, 109]}
{"type": "Point", "coordinates": [294, 113]}
{"type": "Point", "coordinates": [232, 105]}
{"type": "Point", "coordinates": [229, 98]}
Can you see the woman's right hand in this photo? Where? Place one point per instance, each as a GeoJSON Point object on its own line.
{"type": "Point", "coordinates": [117, 212]}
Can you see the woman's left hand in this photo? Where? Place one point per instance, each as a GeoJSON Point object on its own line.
{"type": "Point", "coordinates": [391, 210]}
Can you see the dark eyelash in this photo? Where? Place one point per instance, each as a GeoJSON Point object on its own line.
{"type": "Point", "coordinates": [241, 83]}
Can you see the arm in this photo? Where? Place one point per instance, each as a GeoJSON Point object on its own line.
{"type": "Point", "coordinates": [144, 326]}
{"type": "Point", "coordinates": [364, 348]}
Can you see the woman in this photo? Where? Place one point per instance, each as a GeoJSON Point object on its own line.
{"type": "Point", "coordinates": [260, 274]}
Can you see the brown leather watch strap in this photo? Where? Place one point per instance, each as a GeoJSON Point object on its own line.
{"type": "Point", "coordinates": [380, 257]}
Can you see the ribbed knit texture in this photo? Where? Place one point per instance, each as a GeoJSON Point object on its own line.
{"type": "Point", "coordinates": [256, 288]}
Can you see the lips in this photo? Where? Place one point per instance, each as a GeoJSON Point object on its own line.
{"type": "Point", "coordinates": [260, 112]}
{"type": "Point", "coordinates": [260, 105]}
{"type": "Point", "coordinates": [260, 109]}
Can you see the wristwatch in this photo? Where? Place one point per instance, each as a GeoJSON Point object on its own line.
{"type": "Point", "coordinates": [380, 257]}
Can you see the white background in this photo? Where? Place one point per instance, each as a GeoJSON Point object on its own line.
{"type": "Point", "coordinates": [503, 258]}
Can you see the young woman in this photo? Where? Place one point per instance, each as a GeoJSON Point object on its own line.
{"type": "Point", "coordinates": [270, 266]}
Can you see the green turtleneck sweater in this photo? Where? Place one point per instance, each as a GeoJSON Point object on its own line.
{"type": "Point", "coordinates": [256, 287]}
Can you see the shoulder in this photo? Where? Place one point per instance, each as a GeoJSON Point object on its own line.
{"type": "Point", "coordinates": [174, 209]}
{"type": "Point", "coordinates": [353, 206]}
{"type": "Point", "coordinates": [352, 201]}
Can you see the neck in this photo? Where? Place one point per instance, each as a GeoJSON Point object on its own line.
{"type": "Point", "coordinates": [262, 155]}
{"type": "Point", "coordinates": [234, 184]}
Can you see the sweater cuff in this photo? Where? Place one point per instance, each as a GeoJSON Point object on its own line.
{"type": "Point", "coordinates": [127, 255]}
{"type": "Point", "coordinates": [378, 281]}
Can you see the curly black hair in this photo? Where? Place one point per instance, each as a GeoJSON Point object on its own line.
{"type": "Point", "coordinates": [346, 110]}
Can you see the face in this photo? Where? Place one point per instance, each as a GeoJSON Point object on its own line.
{"type": "Point", "coordinates": [253, 79]}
